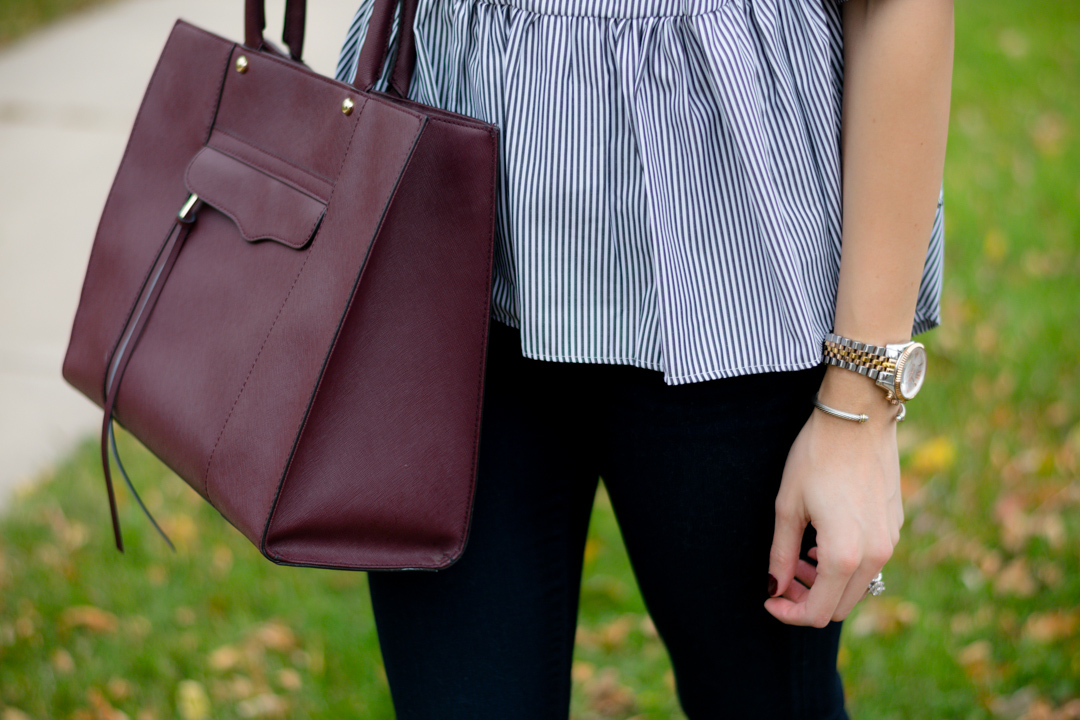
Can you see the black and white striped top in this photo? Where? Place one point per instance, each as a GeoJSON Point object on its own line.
{"type": "Point", "coordinates": [669, 192]}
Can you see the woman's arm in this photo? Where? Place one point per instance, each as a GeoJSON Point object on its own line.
{"type": "Point", "coordinates": [841, 476]}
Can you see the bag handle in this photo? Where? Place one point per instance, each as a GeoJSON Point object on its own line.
{"type": "Point", "coordinates": [293, 35]}
{"type": "Point", "coordinates": [377, 45]}
{"type": "Point", "coordinates": [372, 54]}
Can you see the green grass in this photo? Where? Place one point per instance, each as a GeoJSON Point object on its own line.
{"type": "Point", "coordinates": [980, 618]}
{"type": "Point", "coordinates": [18, 17]}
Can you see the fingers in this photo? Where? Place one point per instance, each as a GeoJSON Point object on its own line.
{"type": "Point", "coordinates": [872, 564]}
{"type": "Point", "coordinates": [834, 588]}
{"type": "Point", "coordinates": [804, 574]}
{"type": "Point", "coordinates": [787, 541]}
{"type": "Point", "coordinates": [834, 572]}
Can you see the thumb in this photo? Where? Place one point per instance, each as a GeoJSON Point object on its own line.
{"type": "Point", "coordinates": [787, 542]}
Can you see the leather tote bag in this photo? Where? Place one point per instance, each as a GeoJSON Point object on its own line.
{"type": "Point", "coordinates": [288, 294]}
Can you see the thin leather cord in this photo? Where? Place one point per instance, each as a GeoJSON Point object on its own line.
{"type": "Point", "coordinates": [184, 227]}
{"type": "Point", "coordinates": [123, 473]}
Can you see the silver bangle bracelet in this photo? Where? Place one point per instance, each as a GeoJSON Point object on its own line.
{"type": "Point", "coordinates": [861, 418]}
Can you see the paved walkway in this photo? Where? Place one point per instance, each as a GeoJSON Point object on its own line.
{"type": "Point", "coordinates": [68, 97]}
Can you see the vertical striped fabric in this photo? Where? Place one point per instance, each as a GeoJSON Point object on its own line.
{"type": "Point", "coordinates": [669, 192]}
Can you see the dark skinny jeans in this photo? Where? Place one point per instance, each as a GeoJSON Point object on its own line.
{"type": "Point", "coordinates": [692, 472]}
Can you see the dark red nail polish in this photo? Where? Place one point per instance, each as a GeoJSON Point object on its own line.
{"type": "Point", "coordinates": [772, 585]}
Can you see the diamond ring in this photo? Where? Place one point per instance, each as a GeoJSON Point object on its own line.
{"type": "Point", "coordinates": [876, 586]}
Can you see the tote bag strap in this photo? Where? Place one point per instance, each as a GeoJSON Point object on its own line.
{"type": "Point", "coordinates": [293, 35]}
{"type": "Point", "coordinates": [376, 46]}
{"type": "Point", "coordinates": [376, 43]}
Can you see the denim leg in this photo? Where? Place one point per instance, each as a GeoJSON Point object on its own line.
{"type": "Point", "coordinates": [491, 637]}
{"type": "Point", "coordinates": [693, 472]}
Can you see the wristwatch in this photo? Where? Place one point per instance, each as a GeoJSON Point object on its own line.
{"type": "Point", "coordinates": [899, 368]}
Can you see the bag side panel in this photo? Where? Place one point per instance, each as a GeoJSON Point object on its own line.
{"type": "Point", "coordinates": [384, 470]}
{"type": "Point", "coordinates": [172, 124]}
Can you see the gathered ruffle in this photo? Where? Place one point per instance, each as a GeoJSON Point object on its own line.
{"type": "Point", "coordinates": [669, 192]}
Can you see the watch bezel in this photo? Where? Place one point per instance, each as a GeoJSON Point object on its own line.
{"type": "Point", "coordinates": [909, 350]}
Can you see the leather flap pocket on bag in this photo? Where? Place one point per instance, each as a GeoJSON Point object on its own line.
{"type": "Point", "coordinates": [263, 205]}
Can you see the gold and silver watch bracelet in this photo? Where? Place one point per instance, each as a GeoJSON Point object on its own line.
{"type": "Point", "coordinates": [863, 358]}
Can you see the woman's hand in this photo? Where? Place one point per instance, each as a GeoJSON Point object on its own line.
{"type": "Point", "coordinates": [842, 477]}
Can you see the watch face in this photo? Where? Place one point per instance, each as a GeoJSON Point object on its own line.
{"type": "Point", "coordinates": [912, 371]}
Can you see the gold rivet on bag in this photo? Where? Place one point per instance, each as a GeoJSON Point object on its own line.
{"type": "Point", "coordinates": [347, 106]}
{"type": "Point", "coordinates": [241, 64]}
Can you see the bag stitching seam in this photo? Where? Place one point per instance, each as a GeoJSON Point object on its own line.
{"type": "Point", "coordinates": [386, 203]}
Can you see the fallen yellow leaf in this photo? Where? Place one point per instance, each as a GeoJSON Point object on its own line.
{"type": "Point", "coordinates": [995, 245]}
{"type": "Point", "coordinates": [934, 456]}
{"type": "Point", "coordinates": [592, 550]}
{"type": "Point", "coordinates": [192, 702]}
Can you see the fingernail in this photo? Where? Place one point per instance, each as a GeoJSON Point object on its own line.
{"type": "Point", "coordinates": [772, 585]}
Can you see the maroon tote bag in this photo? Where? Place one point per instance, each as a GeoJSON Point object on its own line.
{"type": "Point", "coordinates": [288, 294]}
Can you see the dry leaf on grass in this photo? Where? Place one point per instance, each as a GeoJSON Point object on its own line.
{"type": "Point", "coordinates": [1050, 626]}
{"type": "Point", "coordinates": [266, 705]}
{"type": "Point", "coordinates": [582, 671]}
{"type": "Point", "coordinates": [275, 635]}
{"type": "Point", "coordinates": [182, 529]}
{"type": "Point", "coordinates": [62, 661]}
{"type": "Point", "coordinates": [614, 635]}
{"type": "Point", "coordinates": [103, 709]}
{"type": "Point", "coordinates": [89, 617]}
{"type": "Point", "coordinates": [1048, 133]}
{"type": "Point", "coordinates": [119, 688]}
{"type": "Point", "coordinates": [606, 696]}
{"type": "Point", "coordinates": [1013, 707]}
{"type": "Point", "coordinates": [1041, 709]}
{"type": "Point", "coordinates": [238, 687]}
{"type": "Point", "coordinates": [137, 626]}
{"type": "Point", "coordinates": [975, 659]}
{"type": "Point", "coordinates": [1016, 579]}
{"type": "Point", "coordinates": [884, 616]}
{"type": "Point", "coordinates": [289, 679]}
{"type": "Point", "coordinates": [222, 560]}
{"type": "Point", "coordinates": [225, 658]}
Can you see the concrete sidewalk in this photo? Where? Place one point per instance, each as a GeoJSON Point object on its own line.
{"type": "Point", "coordinates": [68, 97]}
